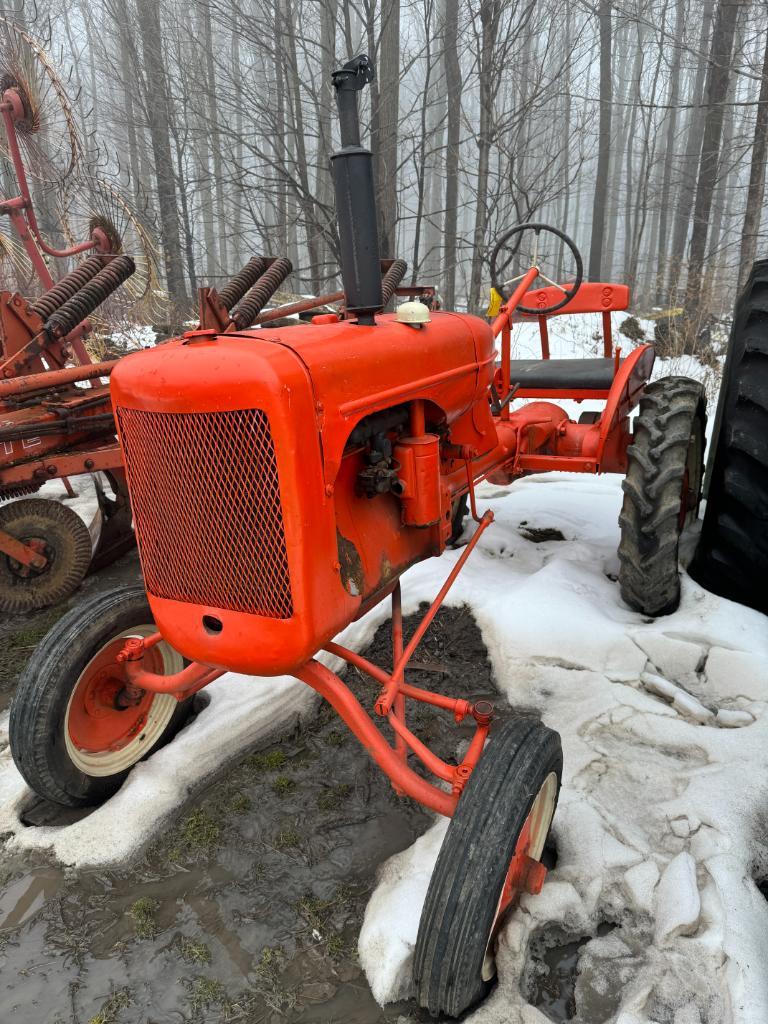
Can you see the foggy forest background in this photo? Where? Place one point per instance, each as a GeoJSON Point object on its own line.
{"type": "Point", "coordinates": [638, 126]}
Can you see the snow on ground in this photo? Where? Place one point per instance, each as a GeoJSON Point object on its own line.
{"type": "Point", "coordinates": [243, 713]}
{"type": "Point", "coordinates": [84, 503]}
{"type": "Point", "coordinates": [661, 820]}
{"type": "Point", "coordinates": [134, 336]}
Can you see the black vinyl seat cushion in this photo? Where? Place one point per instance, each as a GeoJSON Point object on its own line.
{"type": "Point", "coordinates": [562, 374]}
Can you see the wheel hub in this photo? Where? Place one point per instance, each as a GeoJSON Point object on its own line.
{"type": "Point", "coordinates": [97, 721]}
{"type": "Point", "coordinates": [41, 547]}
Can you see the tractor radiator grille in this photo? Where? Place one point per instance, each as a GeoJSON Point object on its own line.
{"type": "Point", "coordinates": [206, 502]}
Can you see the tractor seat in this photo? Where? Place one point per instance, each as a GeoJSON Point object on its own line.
{"type": "Point", "coordinates": [563, 374]}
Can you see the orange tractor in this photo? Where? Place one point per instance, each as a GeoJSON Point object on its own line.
{"type": "Point", "coordinates": [283, 481]}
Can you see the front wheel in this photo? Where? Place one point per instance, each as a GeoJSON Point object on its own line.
{"type": "Point", "coordinates": [491, 854]}
{"type": "Point", "coordinates": [70, 737]}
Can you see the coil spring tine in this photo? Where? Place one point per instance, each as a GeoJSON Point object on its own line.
{"type": "Point", "coordinates": [261, 292]}
{"type": "Point", "coordinates": [67, 286]}
{"type": "Point", "coordinates": [391, 280]}
{"type": "Point", "coordinates": [237, 286]}
{"type": "Point", "coordinates": [89, 297]}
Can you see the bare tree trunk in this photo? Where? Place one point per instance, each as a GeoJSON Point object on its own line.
{"type": "Point", "coordinates": [158, 108]}
{"type": "Point", "coordinates": [687, 186]}
{"type": "Point", "coordinates": [453, 84]}
{"type": "Point", "coordinates": [186, 219]}
{"type": "Point", "coordinates": [717, 91]}
{"type": "Point", "coordinates": [725, 166]}
{"type": "Point", "coordinates": [236, 201]}
{"type": "Point", "coordinates": [421, 159]}
{"type": "Point", "coordinates": [205, 199]}
{"type": "Point", "coordinates": [669, 152]}
{"type": "Point", "coordinates": [433, 197]}
{"type": "Point", "coordinates": [388, 115]}
{"type": "Point", "coordinates": [620, 58]}
{"type": "Point", "coordinates": [756, 190]}
{"type": "Point", "coordinates": [214, 135]}
{"type": "Point", "coordinates": [306, 200]}
{"type": "Point", "coordinates": [640, 211]}
{"type": "Point", "coordinates": [328, 12]}
{"type": "Point", "coordinates": [489, 23]}
{"type": "Point", "coordinates": [279, 144]}
{"type": "Point", "coordinates": [565, 172]}
{"type": "Point", "coordinates": [630, 158]}
{"type": "Point", "coordinates": [127, 51]}
{"type": "Point", "coordinates": [604, 143]}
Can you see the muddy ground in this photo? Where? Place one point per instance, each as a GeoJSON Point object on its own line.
{"type": "Point", "coordinates": [250, 907]}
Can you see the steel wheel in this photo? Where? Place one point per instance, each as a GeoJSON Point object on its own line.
{"type": "Point", "coordinates": [70, 736]}
{"type": "Point", "coordinates": [102, 739]}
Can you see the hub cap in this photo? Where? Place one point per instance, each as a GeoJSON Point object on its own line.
{"type": "Point", "coordinates": [42, 547]}
{"type": "Point", "coordinates": [102, 738]}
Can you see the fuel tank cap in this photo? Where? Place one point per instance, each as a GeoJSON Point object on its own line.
{"type": "Point", "coordinates": [413, 313]}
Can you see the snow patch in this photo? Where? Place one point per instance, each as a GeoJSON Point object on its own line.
{"type": "Point", "coordinates": [665, 738]}
{"type": "Point", "coordinates": [243, 713]}
{"type": "Point", "coordinates": [678, 904]}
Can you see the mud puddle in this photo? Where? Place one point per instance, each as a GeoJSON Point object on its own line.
{"type": "Point", "coordinates": [564, 985]}
{"type": "Point", "coordinates": [249, 908]}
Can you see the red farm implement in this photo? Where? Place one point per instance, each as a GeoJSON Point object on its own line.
{"type": "Point", "coordinates": [283, 481]}
{"type": "Point", "coordinates": [55, 413]}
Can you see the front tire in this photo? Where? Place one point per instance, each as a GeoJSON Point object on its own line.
{"type": "Point", "coordinates": [69, 739]}
{"type": "Point", "coordinates": [662, 490]}
{"type": "Point", "coordinates": [490, 855]}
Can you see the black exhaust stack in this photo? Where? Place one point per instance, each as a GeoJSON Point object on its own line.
{"type": "Point", "coordinates": [352, 170]}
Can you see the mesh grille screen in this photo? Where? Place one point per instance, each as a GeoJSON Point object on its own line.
{"type": "Point", "coordinates": [206, 501]}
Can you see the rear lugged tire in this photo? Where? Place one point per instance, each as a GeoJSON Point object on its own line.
{"type": "Point", "coordinates": [455, 943]}
{"type": "Point", "coordinates": [69, 739]}
{"type": "Point", "coordinates": [732, 557]}
{"type": "Point", "coordinates": [662, 490]}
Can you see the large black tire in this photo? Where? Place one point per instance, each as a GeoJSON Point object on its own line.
{"type": "Point", "coordinates": [42, 746]}
{"type": "Point", "coordinates": [732, 556]}
{"type": "Point", "coordinates": [458, 921]}
{"type": "Point", "coordinates": [67, 546]}
{"type": "Point", "coordinates": [662, 491]}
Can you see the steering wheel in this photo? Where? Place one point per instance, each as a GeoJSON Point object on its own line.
{"type": "Point", "coordinates": [502, 286]}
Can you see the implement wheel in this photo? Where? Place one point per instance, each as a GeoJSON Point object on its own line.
{"type": "Point", "coordinates": [491, 854]}
{"type": "Point", "coordinates": [56, 532]}
{"type": "Point", "coordinates": [70, 737]}
{"type": "Point", "coordinates": [662, 491]}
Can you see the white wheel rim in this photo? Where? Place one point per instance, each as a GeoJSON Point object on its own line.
{"type": "Point", "coordinates": [540, 816]}
{"type": "Point", "coordinates": [102, 763]}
